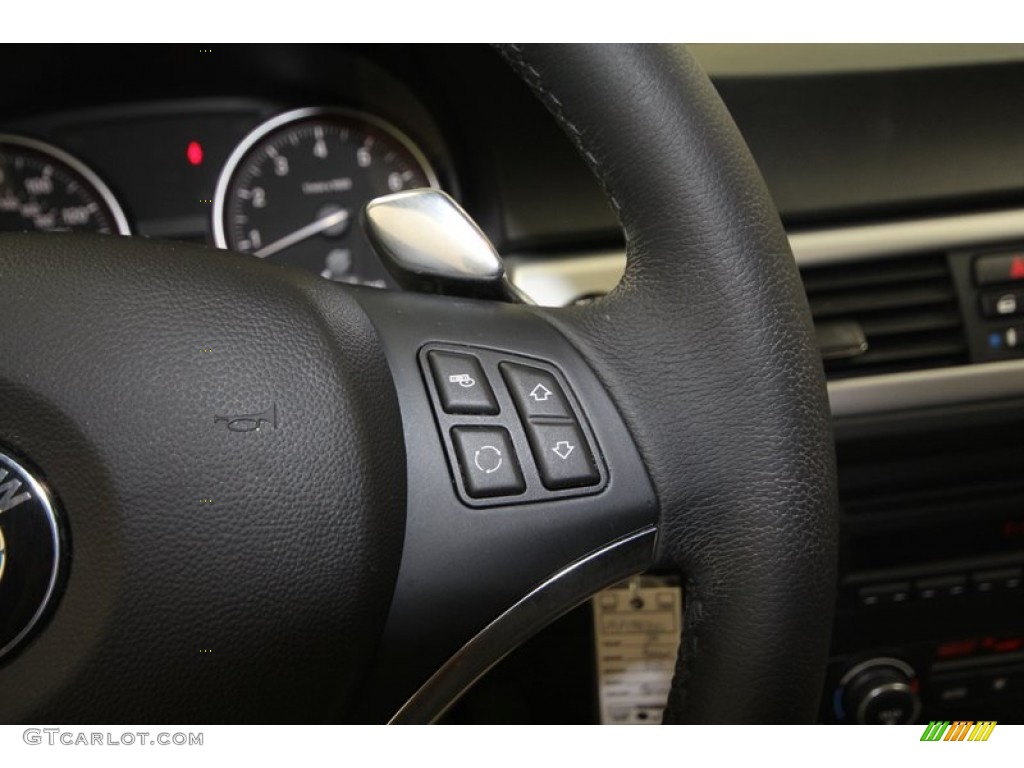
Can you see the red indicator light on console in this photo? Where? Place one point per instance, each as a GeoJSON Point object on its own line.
{"type": "Point", "coordinates": [1009, 645]}
{"type": "Point", "coordinates": [955, 649]}
{"type": "Point", "coordinates": [194, 153]}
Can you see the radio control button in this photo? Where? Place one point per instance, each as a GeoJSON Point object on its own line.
{"type": "Point", "coordinates": [992, 581]}
{"type": "Point", "coordinates": [893, 593]}
{"type": "Point", "coordinates": [926, 593]}
{"type": "Point", "coordinates": [951, 688]}
{"type": "Point", "coordinates": [881, 691]}
{"type": "Point", "coordinates": [1004, 683]}
{"type": "Point", "coordinates": [983, 585]}
{"type": "Point", "coordinates": [940, 586]}
{"type": "Point", "coordinates": [954, 692]}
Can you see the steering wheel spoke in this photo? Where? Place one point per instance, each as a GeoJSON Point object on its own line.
{"type": "Point", "coordinates": [526, 494]}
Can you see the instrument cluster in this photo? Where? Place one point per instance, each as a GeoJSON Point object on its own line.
{"type": "Point", "coordinates": [285, 185]}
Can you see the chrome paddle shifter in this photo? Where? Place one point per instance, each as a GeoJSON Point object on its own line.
{"type": "Point", "coordinates": [429, 243]}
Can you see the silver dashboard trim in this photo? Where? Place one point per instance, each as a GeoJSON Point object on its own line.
{"type": "Point", "coordinates": [560, 281]}
{"type": "Point", "coordinates": [826, 246]}
{"type": "Point", "coordinates": [926, 389]}
{"type": "Point", "coordinates": [564, 590]}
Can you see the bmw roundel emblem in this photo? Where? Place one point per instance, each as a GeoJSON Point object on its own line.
{"type": "Point", "coordinates": [30, 552]}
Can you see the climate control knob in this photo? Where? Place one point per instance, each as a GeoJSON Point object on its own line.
{"type": "Point", "coordinates": [881, 691]}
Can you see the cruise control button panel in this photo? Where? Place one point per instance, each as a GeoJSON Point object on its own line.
{"type": "Point", "coordinates": [512, 428]}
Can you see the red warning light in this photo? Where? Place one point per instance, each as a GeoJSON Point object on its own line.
{"type": "Point", "coordinates": [194, 153]}
{"type": "Point", "coordinates": [956, 648]}
{"type": "Point", "coordinates": [1009, 645]}
{"type": "Point", "coordinates": [1017, 268]}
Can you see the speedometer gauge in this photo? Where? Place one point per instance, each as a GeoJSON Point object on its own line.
{"type": "Point", "coordinates": [294, 189]}
{"type": "Point", "coordinates": [43, 188]}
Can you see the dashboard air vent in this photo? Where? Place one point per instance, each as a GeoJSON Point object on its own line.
{"type": "Point", "coordinates": [876, 317]}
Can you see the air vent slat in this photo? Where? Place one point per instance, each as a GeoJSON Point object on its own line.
{"type": "Point", "coordinates": [870, 299]}
{"type": "Point", "coordinates": [922, 321]}
{"type": "Point", "coordinates": [908, 350]}
{"type": "Point", "coordinates": [846, 279]}
{"type": "Point", "coordinates": [906, 309]}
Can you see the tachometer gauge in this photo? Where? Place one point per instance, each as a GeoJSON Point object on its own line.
{"type": "Point", "coordinates": [294, 189]}
{"type": "Point", "coordinates": [43, 188]}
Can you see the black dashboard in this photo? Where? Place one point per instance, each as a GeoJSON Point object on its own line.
{"type": "Point", "coordinates": [835, 147]}
{"type": "Point", "coordinates": [132, 113]}
{"type": "Point", "coordinates": [902, 190]}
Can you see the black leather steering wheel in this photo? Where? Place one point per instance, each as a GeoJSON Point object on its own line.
{"type": "Point", "coordinates": [334, 563]}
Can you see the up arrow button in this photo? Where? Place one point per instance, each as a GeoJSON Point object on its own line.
{"type": "Point", "coordinates": [536, 391]}
{"type": "Point", "coordinates": [540, 393]}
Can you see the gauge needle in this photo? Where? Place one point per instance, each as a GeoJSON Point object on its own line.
{"type": "Point", "coordinates": [313, 228]}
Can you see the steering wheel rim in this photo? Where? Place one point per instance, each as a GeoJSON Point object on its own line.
{"type": "Point", "coordinates": [706, 253]}
{"type": "Point", "coordinates": [700, 367]}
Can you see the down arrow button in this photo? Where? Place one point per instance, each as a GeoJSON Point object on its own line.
{"type": "Point", "coordinates": [563, 458]}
